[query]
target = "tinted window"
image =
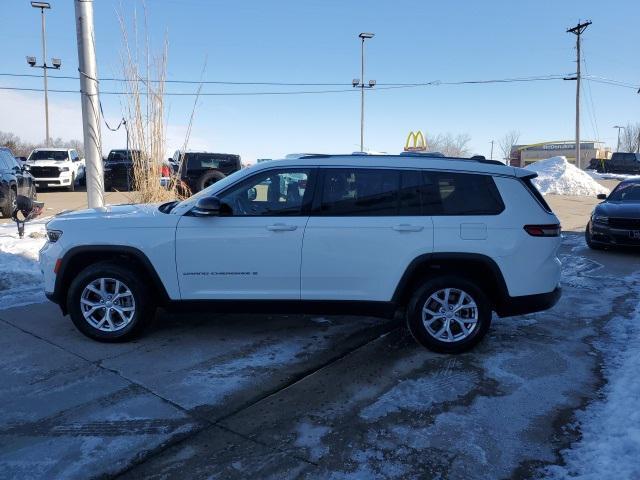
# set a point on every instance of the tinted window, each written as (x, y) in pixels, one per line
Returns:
(272, 193)
(462, 194)
(198, 161)
(359, 192)
(626, 192)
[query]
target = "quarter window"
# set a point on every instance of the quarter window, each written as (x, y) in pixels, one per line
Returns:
(462, 194)
(271, 193)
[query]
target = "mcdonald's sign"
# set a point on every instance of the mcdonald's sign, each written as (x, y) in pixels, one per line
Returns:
(415, 142)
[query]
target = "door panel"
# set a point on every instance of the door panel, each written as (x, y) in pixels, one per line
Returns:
(253, 251)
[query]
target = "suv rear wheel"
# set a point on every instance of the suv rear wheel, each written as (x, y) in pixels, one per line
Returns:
(109, 303)
(207, 179)
(449, 314)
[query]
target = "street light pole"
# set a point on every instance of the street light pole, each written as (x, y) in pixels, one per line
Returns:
(55, 61)
(360, 83)
(619, 128)
(577, 31)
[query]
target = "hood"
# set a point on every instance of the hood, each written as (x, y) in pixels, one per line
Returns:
(130, 210)
(619, 209)
(48, 163)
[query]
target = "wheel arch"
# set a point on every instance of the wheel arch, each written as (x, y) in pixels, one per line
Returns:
(478, 268)
(77, 258)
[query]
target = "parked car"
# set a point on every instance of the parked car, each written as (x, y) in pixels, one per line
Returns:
(119, 171)
(14, 181)
(620, 162)
(446, 241)
(616, 221)
(56, 167)
(199, 170)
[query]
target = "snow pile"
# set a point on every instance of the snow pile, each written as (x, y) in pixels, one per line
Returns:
(20, 277)
(556, 175)
(610, 444)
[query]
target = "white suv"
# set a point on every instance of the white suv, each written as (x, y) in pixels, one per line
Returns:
(447, 241)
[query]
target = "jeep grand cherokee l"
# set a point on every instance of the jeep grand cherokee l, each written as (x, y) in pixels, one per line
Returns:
(446, 241)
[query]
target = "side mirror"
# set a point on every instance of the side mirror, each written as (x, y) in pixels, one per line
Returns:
(602, 196)
(207, 207)
(252, 193)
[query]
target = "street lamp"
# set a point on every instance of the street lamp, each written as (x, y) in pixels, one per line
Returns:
(360, 83)
(55, 62)
(619, 128)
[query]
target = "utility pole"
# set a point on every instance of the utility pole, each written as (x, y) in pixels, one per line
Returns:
(360, 83)
(577, 31)
(90, 102)
(619, 128)
(56, 62)
(491, 149)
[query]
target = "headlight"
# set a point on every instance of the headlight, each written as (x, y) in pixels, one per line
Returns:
(64, 169)
(53, 235)
(601, 219)
(26, 166)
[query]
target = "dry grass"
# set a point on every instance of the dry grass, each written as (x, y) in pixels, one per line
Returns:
(145, 112)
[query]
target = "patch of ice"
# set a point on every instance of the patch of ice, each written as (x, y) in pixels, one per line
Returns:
(20, 277)
(309, 436)
(557, 176)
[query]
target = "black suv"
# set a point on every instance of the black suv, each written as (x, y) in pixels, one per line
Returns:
(201, 169)
(118, 170)
(14, 181)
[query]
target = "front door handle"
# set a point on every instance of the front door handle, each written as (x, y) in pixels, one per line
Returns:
(281, 227)
(404, 227)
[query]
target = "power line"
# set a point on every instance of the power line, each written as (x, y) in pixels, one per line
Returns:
(311, 92)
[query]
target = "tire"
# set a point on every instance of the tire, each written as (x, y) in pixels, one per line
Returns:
(137, 309)
(10, 204)
(72, 186)
(207, 179)
(433, 336)
(590, 243)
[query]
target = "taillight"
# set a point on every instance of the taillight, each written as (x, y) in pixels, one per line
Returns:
(165, 171)
(543, 230)
(56, 267)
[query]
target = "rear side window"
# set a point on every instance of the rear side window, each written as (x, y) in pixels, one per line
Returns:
(359, 192)
(536, 193)
(198, 161)
(453, 193)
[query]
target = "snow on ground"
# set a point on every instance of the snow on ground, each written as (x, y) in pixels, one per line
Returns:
(20, 277)
(556, 175)
(609, 176)
(610, 427)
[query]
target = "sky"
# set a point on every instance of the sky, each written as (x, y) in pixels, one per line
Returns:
(317, 42)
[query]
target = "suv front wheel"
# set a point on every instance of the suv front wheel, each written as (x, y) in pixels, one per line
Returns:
(449, 314)
(109, 303)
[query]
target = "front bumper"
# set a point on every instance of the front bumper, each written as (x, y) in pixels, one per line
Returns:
(524, 304)
(605, 235)
(61, 181)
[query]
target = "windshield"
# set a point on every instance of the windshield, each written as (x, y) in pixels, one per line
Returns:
(626, 192)
(120, 155)
(49, 155)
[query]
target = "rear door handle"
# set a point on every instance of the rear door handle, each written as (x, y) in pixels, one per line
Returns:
(404, 227)
(281, 227)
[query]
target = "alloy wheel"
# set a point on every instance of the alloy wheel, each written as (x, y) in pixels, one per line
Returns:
(450, 315)
(107, 304)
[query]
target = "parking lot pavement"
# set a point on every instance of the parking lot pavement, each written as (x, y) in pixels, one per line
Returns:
(230, 396)
(56, 201)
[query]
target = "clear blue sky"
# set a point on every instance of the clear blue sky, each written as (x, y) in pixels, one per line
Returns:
(316, 41)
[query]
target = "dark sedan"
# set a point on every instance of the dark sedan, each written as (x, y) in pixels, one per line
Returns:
(14, 181)
(616, 221)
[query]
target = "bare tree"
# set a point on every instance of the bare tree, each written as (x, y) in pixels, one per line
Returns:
(22, 148)
(450, 145)
(507, 142)
(630, 138)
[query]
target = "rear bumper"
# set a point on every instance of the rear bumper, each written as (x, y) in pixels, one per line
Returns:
(529, 303)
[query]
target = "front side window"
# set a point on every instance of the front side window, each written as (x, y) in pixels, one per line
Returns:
(271, 193)
(359, 192)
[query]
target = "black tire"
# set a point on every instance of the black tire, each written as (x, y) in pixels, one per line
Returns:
(10, 204)
(421, 334)
(207, 179)
(72, 186)
(144, 309)
(590, 243)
